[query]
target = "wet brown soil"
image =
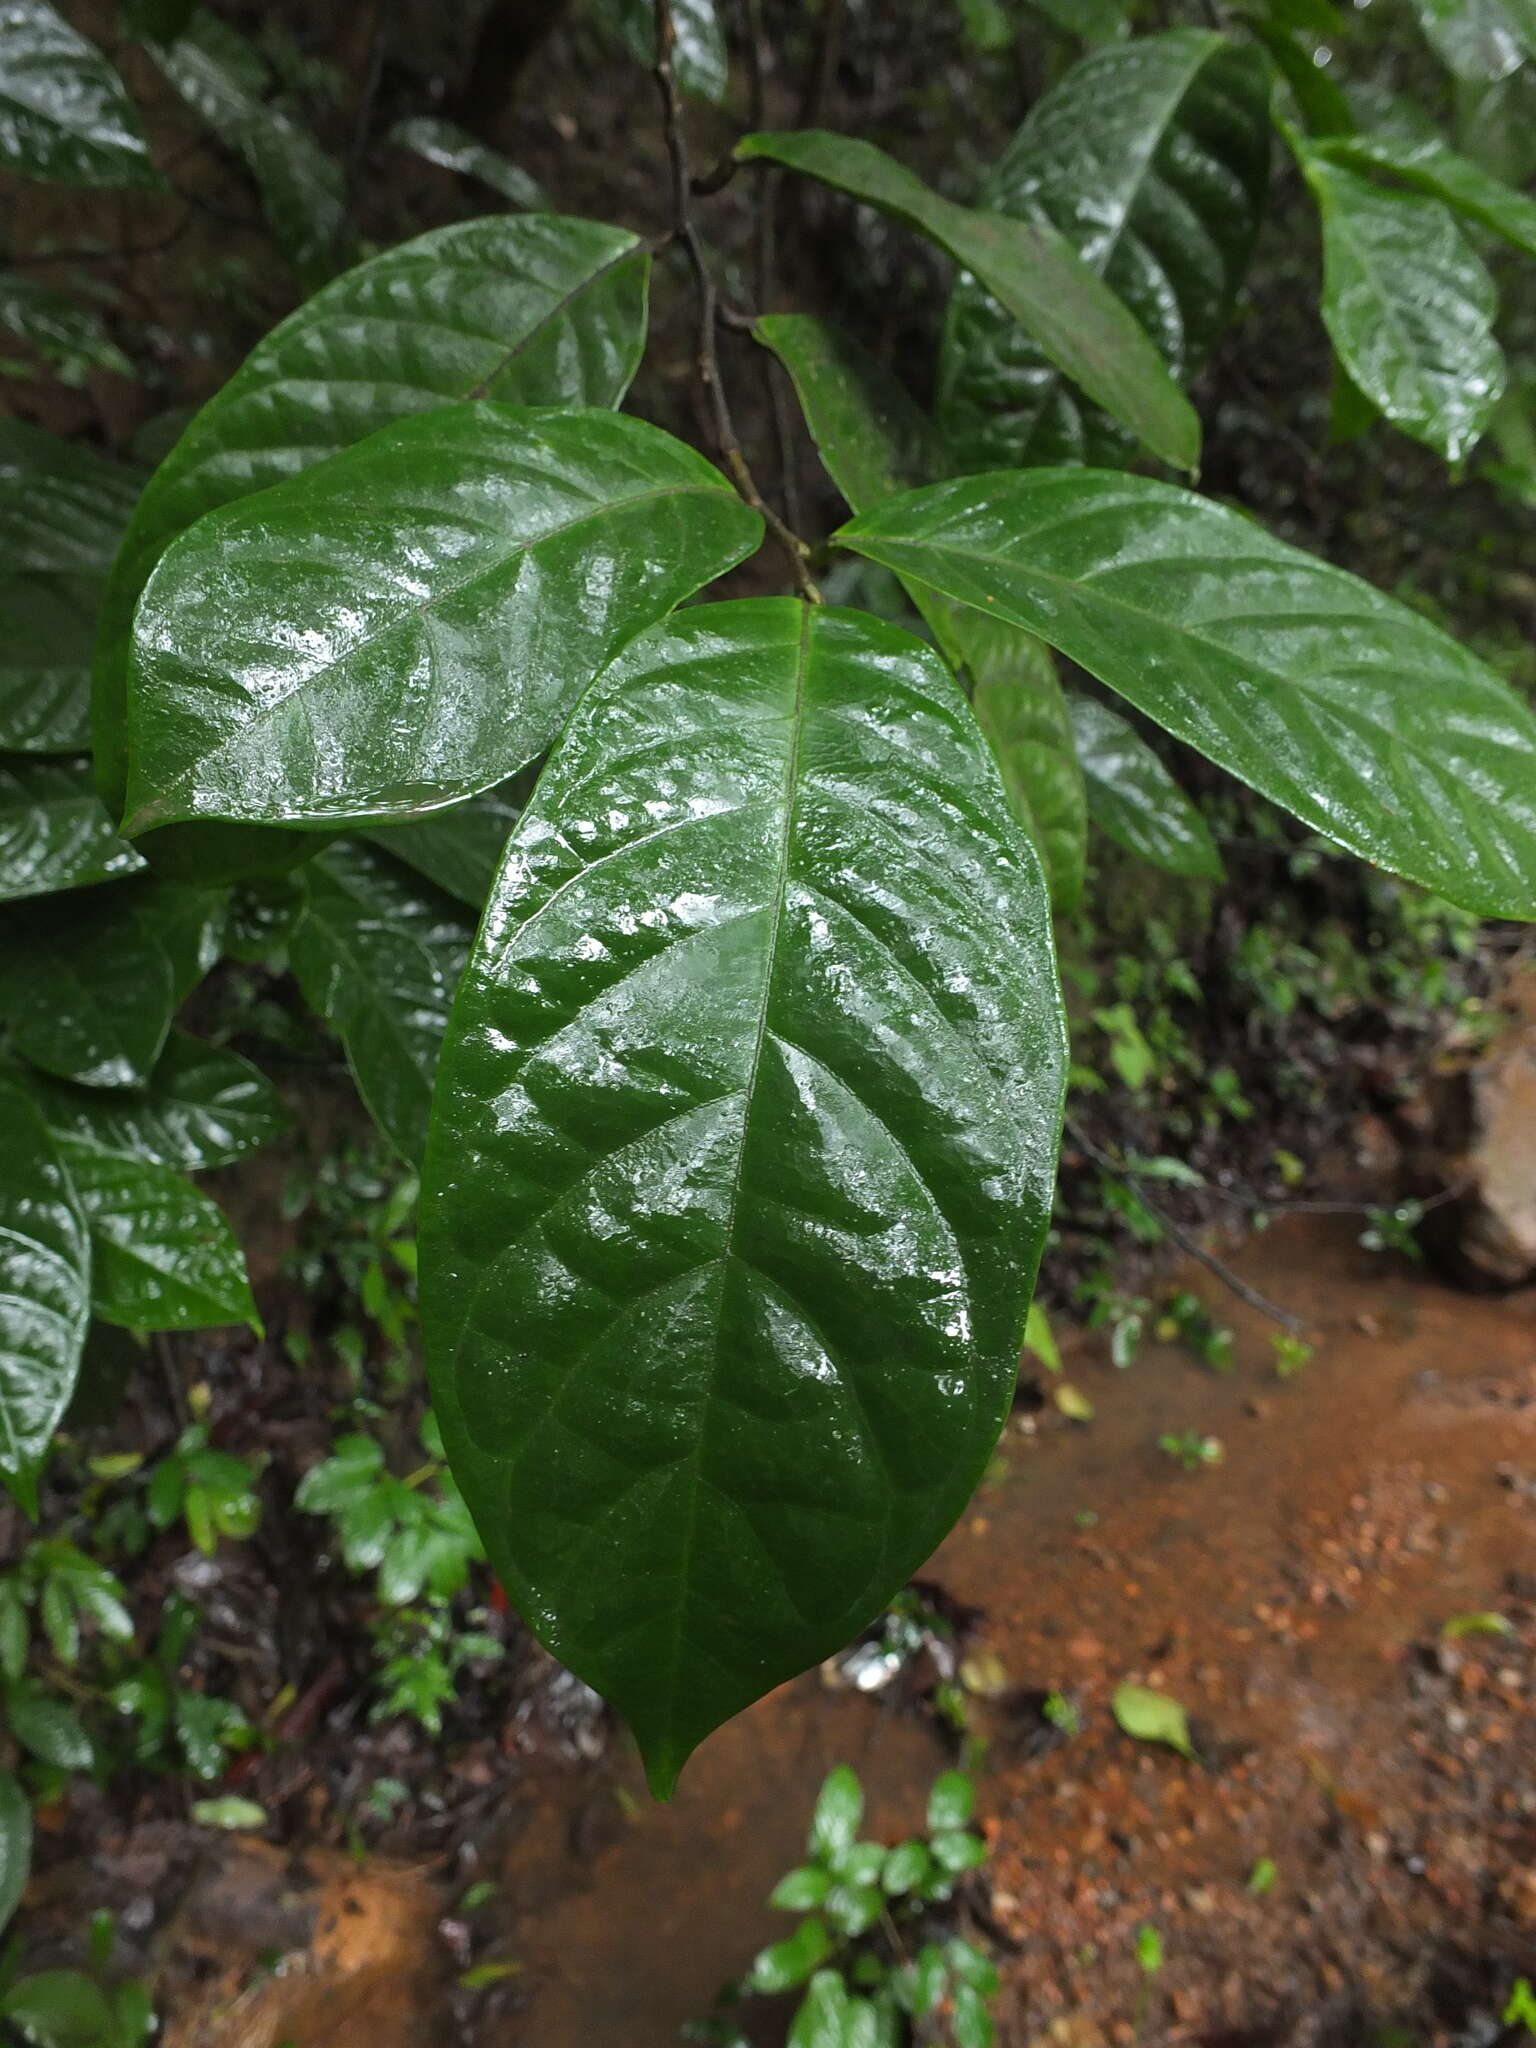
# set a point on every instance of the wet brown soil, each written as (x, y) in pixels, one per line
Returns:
(1291, 1597)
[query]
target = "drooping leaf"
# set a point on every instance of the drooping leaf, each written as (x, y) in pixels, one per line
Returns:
(460, 850)
(1034, 273)
(699, 58)
(875, 441)
(409, 624)
(1325, 695)
(1319, 100)
(1152, 158)
(869, 431)
(163, 1257)
(223, 81)
(61, 507)
(65, 334)
(64, 115)
(47, 624)
(454, 149)
(741, 1157)
(54, 829)
(532, 311)
(1133, 799)
(202, 1106)
(1430, 165)
(15, 1846)
(59, 2008)
(1479, 39)
(1409, 306)
(45, 1280)
(1020, 706)
(91, 982)
(378, 955)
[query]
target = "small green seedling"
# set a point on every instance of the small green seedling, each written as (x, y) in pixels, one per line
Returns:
(1187, 1320)
(1063, 1713)
(213, 1490)
(415, 1532)
(1192, 1450)
(1149, 1949)
(1261, 1878)
(1291, 1353)
(871, 1948)
(1520, 2011)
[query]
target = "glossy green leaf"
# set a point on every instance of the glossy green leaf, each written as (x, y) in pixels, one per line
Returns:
(54, 830)
(1430, 165)
(869, 432)
(784, 1964)
(952, 1802)
(409, 624)
(48, 1726)
(91, 982)
(202, 1106)
(533, 311)
(1151, 158)
(741, 1157)
(1409, 306)
(459, 849)
(1034, 273)
(64, 115)
(453, 148)
(1479, 39)
(67, 335)
(1133, 799)
(163, 1257)
(15, 1846)
(1020, 706)
(838, 1811)
(875, 441)
(60, 2009)
(699, 59)
(61, 507)
(1318, 98)
(797, 1891)
(1093, 21)
(223, 81)
(1325, 695)
(47, 624)
(378, 955)
(45, 1279)
(822, 2018)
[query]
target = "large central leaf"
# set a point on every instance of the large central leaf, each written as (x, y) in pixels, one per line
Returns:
(408, 625)
(532, 311)
(1152, 159)
(742, 1157)
(1354, 712)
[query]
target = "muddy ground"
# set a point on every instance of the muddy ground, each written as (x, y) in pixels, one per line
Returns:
(1292, 1597)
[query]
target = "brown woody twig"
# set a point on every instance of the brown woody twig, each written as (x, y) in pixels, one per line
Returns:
(685, 231)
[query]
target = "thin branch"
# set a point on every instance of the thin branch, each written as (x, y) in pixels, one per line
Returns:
(1185, 1241)
(684, 231)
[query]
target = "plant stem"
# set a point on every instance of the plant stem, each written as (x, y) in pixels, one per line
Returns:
(684, 231)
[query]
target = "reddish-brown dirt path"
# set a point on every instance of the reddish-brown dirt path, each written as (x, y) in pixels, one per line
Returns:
(1292, 1597)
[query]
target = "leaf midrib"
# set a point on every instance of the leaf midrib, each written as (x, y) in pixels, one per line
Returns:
(689, 1545)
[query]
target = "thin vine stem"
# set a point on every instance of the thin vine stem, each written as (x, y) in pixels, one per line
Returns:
(685, 231)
